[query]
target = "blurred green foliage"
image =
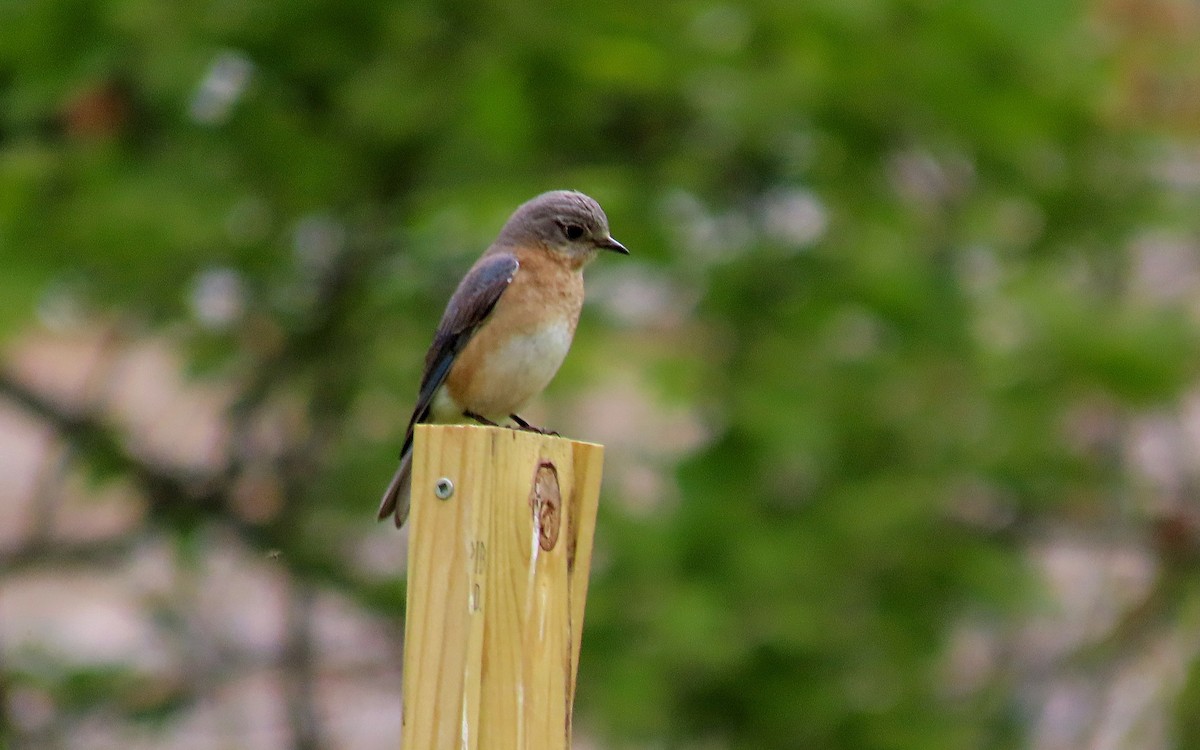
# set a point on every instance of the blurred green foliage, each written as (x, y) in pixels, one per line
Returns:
(906, 226)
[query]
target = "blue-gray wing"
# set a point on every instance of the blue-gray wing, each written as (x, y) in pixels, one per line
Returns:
(469, 307)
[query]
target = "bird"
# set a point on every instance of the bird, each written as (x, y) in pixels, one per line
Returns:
(508, 325)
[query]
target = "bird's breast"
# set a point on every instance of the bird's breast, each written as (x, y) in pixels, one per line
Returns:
(498, 374)
(515, 354)
(534, 356)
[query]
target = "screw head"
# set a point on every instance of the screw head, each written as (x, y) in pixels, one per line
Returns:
(443, 488)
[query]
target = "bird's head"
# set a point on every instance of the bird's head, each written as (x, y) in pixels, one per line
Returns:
(564, 222)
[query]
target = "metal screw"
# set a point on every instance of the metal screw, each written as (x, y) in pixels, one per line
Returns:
(444, 488)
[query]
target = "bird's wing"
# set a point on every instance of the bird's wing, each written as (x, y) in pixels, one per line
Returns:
(469, 307)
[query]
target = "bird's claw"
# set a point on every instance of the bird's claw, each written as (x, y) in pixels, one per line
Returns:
(480, 419)
(526, 427)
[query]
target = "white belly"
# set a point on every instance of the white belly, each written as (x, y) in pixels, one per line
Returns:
(508, 375)
(524, 365)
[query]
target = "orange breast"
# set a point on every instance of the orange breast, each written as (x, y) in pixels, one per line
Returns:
(516, 353)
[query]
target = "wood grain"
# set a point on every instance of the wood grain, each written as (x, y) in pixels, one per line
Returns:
(494, 621)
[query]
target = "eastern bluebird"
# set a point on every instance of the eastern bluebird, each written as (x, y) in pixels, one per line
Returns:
(509, 324)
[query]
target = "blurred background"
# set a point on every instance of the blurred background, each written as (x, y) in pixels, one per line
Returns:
(899, 386)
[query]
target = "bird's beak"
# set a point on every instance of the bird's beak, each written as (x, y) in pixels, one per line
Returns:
(608, 243)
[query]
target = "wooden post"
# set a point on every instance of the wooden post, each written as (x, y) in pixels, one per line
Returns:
(498, 560)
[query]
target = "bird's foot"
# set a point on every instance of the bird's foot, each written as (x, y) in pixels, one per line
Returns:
(480, 419)
(523, 425)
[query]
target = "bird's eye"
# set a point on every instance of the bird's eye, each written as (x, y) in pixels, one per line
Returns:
(573, 231)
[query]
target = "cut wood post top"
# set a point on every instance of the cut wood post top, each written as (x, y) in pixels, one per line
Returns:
(500, 548)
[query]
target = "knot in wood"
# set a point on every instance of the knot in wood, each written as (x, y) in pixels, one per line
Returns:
(545, 500)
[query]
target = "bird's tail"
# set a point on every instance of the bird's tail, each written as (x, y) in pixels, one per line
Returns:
(395, 498)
